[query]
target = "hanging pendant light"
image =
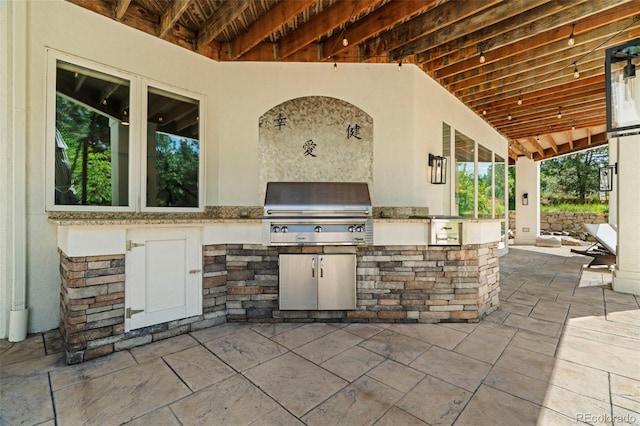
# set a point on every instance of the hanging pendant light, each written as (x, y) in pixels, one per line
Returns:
(572, 38)
(576, 73)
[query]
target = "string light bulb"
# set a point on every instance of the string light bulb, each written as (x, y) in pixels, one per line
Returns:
(335, 66)
(559, 112)
(400, 66)
(509, 117)
(482, 58)
(520, 98)
(345, 41)
(572, 38)
(576, 73)
(484, 111)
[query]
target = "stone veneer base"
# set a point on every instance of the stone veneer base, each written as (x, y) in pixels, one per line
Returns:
(416, 284)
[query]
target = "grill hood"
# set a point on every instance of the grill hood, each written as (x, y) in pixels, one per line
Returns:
(296, 199)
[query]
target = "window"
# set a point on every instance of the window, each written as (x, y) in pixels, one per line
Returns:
(465, 174)
(91, 137)
(480, 178)
(485, 182)
(446, 152)
(500, 194)
(173, 150)
(102, 157)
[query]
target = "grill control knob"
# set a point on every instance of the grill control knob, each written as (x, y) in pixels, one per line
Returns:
(318, 229)
(350, 229)
(284, 229)
(276, 229)
(359, 228)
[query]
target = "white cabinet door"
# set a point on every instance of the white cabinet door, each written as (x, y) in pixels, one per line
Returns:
(163, 278)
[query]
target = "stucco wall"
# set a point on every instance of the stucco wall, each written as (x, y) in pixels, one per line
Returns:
(407, 108)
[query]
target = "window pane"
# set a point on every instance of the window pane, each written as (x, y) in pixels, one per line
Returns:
(465, 177)
(485, 184)
(500, 186)
(173, 150)
(446, 151)
(92, 137)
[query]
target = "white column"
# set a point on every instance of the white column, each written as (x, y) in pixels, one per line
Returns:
(13, 295)
(626, 276)
(613, 195)
(527, 201)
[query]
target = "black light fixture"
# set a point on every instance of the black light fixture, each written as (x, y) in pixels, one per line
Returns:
(606, 177)
(438, 166)
(623, 116)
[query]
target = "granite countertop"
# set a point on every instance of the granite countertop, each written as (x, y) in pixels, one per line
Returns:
(223, 214)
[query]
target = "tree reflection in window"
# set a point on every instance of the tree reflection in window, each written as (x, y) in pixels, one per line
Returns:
(173, 150)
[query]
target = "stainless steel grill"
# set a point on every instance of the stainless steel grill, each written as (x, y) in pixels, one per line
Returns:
(317, 213)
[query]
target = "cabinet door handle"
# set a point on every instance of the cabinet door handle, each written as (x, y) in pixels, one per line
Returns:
(321, 267)
(313, 266)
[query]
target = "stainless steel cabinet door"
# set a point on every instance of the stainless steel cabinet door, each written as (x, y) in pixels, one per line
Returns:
(298, 281)
(336, 281)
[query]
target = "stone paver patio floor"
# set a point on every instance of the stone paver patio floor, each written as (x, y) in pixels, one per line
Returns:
(563, 348)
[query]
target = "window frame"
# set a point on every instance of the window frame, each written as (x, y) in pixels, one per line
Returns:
(146, 83)
(137, 167)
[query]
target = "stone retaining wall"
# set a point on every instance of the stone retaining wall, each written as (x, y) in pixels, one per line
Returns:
(570, 223)
(240, 283)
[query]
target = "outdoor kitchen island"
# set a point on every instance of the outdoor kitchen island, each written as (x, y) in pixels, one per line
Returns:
(399, 278)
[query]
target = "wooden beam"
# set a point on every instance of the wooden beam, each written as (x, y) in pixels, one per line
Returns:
(536, 145)
(536, 20)
(448, 13)
(540, 40)
(120, 9)
(466, 26)
(327, 20)
(171, 15)
(221, 18)
(268, 23)
(552, 143)
(375, 23)
(570, 140)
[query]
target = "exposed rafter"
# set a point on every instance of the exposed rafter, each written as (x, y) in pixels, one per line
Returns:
(527, 72)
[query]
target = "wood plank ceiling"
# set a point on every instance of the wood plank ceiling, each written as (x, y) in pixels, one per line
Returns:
(526, 85)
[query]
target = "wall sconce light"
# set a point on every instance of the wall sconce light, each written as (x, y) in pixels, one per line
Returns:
(438, 169)
(606, 177)
(525, 199)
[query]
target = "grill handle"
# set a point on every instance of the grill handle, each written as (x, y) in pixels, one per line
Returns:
(319, 212)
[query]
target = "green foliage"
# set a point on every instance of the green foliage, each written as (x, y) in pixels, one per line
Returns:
(99, 180)
(572, 178)
(570, 207)
(511, 183)
(177, 169)
(465, 190)
(87, 136)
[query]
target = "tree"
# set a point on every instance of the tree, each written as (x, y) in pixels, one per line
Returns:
(573, 177)
(177, 170)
